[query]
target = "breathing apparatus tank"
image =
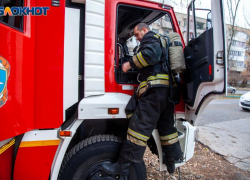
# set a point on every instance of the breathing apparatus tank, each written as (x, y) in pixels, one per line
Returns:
(172, 44)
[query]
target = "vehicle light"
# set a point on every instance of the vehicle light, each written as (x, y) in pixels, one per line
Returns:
(113, 110)
(65, 133)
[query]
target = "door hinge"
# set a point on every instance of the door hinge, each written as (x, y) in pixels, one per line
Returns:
(55, 3)
(80, 77)
(219, 57)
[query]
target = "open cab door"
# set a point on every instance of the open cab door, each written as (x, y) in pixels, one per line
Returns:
(205, 56)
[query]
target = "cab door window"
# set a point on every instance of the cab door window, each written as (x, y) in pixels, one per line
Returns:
(199, 18)
(126, 44)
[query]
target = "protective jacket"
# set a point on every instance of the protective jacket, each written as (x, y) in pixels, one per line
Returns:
(148, 58)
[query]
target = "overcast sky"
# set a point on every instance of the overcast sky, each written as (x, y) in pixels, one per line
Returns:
(243, 10)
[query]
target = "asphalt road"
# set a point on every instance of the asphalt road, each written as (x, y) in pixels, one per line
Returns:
(239, 92)
(225, 128)
(220, 110)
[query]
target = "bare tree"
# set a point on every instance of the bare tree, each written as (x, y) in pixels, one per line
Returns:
(245, 77)
(233, 78)
(232, 18)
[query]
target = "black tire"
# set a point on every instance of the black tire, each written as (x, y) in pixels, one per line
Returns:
(233, 91)
(85, 158)
(245, 109)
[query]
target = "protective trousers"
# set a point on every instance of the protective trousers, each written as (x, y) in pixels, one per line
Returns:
(153, 110)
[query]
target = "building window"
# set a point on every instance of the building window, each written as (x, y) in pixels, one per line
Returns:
(240, 64)
(199, 25)
(166, 33)
(156, 31)
(167, 18)
(185, 21)
(13, 21)
(191, 35)
(179, 22)
(245, 57)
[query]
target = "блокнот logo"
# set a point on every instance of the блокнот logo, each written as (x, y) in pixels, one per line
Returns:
(23, 11)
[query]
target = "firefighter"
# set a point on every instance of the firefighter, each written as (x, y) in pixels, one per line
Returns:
(153, 109)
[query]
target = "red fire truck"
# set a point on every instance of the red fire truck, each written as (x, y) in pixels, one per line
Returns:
(63, 93)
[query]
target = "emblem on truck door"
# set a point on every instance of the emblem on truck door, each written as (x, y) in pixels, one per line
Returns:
(4, 75)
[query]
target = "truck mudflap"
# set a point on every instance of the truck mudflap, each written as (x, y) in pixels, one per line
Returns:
(187, 136)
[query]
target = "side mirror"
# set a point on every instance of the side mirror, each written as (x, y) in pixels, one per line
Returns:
(209, 20)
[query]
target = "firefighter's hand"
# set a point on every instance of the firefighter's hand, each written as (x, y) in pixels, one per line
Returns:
(126, 66)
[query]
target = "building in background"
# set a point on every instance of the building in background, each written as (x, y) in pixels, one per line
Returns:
(239, 54)
(239, 50)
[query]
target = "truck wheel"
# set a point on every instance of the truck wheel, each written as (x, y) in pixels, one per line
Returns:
(83, 161)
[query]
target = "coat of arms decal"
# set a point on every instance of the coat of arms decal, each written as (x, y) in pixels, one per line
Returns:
(4, 75)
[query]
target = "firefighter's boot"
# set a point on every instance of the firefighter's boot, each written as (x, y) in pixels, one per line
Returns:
(120, 167)
(173, 154)
(170, 166)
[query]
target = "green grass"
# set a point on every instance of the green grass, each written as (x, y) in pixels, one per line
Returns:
(242, 89)
(230, 96)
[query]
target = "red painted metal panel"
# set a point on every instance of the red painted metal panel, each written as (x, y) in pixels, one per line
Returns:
(35, 85)
(18, 49)
(49, 43)
(34, 162)
(6, 159)
(110, 31)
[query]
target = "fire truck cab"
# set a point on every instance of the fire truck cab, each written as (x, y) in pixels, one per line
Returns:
(63, 92)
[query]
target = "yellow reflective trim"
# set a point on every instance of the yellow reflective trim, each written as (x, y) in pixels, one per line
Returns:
(7, 146)
(171, 141)
(130, 115)
(137, 55)
(164, 75)
(142, 84)
(158, 76)
(39, 143)
(168, 137)
(159, 82)
(136, 141)
(136, 61)
(137, 135)
(157, 35)
(142, 90)
(151, 78)
(143, 59)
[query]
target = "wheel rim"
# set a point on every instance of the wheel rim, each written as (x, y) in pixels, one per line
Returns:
(94, 172)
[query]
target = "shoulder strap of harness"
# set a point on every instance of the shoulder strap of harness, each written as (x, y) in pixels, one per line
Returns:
(166, 64)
